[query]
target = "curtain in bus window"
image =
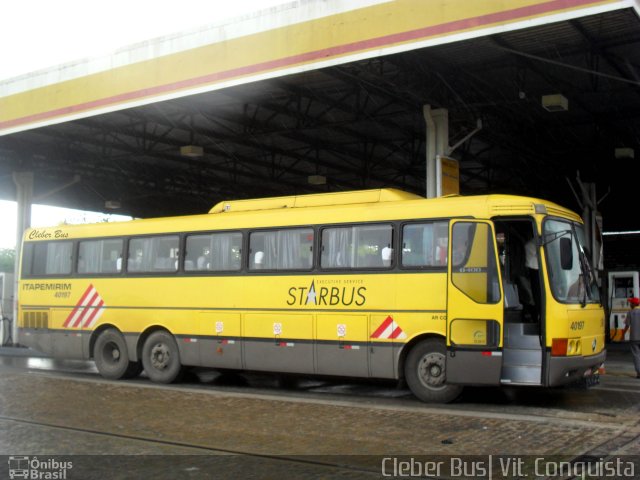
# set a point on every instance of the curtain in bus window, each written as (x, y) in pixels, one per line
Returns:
(100, 256)
(288, 248)
(270, 250)
(222, 248)
(89, 256)
(283, 249)
(58, 258)
(337, 246)
(153, 254)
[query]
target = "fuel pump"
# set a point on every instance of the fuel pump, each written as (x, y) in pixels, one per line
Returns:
(622, 286)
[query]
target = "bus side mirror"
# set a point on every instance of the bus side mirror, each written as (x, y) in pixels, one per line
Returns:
(566, 254)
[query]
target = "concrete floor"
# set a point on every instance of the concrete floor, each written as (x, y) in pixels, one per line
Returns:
(212, 428)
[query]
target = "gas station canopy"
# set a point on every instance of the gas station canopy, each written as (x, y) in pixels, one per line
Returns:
(328, 96)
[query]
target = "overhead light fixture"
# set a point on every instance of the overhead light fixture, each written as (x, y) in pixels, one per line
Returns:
(555, 103)
(624, 153)
(317, 180)
(192, 151)
(112, 204)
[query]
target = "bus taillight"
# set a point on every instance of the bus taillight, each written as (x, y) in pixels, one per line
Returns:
(561, 347)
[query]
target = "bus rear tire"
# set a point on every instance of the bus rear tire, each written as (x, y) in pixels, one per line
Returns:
(111, 355)
(161, 358)
(425, 372)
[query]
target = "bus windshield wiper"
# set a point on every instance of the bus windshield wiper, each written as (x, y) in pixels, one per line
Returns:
(554, 236)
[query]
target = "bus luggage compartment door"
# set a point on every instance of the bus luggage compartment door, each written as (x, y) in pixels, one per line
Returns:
(474, 305)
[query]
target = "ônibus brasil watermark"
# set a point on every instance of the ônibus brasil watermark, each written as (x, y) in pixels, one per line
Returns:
(33, 468)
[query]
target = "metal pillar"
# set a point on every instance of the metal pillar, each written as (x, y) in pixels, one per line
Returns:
(437, 125)
(24, 197)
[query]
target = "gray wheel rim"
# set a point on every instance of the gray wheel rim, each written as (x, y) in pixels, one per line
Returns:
(431, 371)
(160, 356)
(111, 353)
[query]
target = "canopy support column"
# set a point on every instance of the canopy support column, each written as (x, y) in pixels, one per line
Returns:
(24, 198)
(437, 125)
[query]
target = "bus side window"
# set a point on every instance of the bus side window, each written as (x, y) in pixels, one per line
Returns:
(153, 254)
(425, 244)
(285, 249)
(48, 258)
(100, 256)
(360, 246)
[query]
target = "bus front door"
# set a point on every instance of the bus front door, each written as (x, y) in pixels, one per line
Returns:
(474, 305)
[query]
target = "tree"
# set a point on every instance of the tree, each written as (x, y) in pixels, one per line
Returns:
(7, 259)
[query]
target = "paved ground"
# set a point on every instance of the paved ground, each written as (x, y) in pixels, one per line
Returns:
(317, 431)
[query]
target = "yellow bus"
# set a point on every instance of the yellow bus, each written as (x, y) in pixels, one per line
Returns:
(447, 292)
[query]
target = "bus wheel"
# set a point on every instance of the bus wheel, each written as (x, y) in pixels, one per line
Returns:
(160, 357)
(111, 355)
(425, 372)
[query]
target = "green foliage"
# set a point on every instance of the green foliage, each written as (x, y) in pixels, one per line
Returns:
(7, 259)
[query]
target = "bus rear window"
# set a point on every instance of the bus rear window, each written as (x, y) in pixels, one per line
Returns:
(47, 258)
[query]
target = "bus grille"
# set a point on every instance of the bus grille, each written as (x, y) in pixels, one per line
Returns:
(35, 320)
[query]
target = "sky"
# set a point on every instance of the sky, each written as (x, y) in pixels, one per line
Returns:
(37, 34)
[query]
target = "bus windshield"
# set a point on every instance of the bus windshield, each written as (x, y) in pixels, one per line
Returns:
(574, 282)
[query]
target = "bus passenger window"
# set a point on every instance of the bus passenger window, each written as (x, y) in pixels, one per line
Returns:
(362, 246)
(48, 258)
(425, 244)
(216, 252)
(153, 254)
(100, 256)
(286, 249)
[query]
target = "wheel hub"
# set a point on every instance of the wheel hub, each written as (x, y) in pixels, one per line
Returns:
(111, 353)
(160, 356)
(431, 370)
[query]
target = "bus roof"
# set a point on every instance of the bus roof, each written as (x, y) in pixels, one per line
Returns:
(315, 200)
(328, 208)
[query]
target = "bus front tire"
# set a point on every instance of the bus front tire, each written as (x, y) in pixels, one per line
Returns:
(161, 358)
(111, 355)
(425, 372)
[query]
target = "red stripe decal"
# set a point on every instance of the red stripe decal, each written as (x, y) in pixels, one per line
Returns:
(382, 327)
(85, 310)
(73, 312)
(396, 332)
(325, 53)
(486, 354)
(95, 311)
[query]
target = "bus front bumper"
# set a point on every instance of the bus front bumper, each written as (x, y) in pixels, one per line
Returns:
(564, 370)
